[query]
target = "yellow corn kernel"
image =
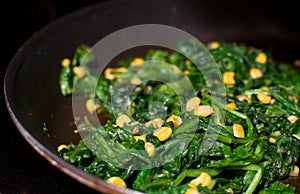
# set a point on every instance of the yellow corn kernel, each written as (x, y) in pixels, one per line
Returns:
(137, 62)
(294, 98)
(192, 191)
(156, 123)
(238, 131)
(136, 81)
(256, 73)
(79, 71)
(263, 98)
(140, 137)
(292, 119)
(214, 45)
(272, 140)
(187, 72)
(177, 121)
(228, 78)
(297, 63)
(116, 181)
(244, 97)
(133, 104)
(261, 58)
(120, 69)
(231, 105)
(108, 74)
(90, 105)
(266, 88)
(192, 103)
(163, 133)
(204, 179)
(295, 171)
(112, 73)
(188, 63)
(273, 100)
(276, 133)
(61, 147)
(149, 147)
(203, 110)
(122, 119)
(66, 62)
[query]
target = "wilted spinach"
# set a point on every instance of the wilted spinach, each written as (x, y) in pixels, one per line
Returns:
(256, 162)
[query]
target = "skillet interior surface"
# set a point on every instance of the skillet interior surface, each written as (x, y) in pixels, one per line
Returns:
(31, 84)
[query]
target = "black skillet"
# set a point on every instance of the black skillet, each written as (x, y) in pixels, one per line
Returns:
(31, 85)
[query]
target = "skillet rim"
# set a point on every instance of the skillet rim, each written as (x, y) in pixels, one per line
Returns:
(76, 173)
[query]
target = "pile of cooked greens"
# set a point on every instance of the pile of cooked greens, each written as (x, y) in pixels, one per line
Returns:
(255, 148)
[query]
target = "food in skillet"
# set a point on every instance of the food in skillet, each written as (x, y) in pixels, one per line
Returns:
(255, 147)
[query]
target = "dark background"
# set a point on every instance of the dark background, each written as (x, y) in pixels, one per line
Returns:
(22, 170)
